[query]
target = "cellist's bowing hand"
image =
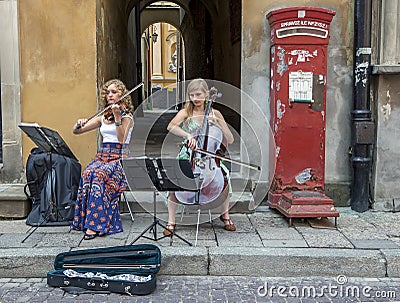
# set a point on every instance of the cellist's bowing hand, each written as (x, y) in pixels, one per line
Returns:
(191, 142)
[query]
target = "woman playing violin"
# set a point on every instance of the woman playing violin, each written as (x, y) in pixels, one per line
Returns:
(103, 180)
(184, 124)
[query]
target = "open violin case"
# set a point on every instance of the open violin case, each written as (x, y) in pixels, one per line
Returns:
(129, 269)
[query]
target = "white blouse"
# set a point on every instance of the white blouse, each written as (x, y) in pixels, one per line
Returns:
(109, 131)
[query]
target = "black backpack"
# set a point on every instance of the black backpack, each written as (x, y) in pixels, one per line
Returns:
(52, 181)
(35, 173)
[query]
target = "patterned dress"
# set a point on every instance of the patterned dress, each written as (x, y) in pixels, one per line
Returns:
(101, 184)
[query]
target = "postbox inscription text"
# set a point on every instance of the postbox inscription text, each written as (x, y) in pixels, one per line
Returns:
(303, 23)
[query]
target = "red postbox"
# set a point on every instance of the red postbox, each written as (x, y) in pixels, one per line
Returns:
(299, 52)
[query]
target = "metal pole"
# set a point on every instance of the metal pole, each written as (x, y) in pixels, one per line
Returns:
(138, 53)
(362, 125)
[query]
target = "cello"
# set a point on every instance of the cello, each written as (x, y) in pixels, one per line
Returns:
(213, 186)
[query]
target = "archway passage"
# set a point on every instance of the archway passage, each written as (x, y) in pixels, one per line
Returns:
(163, 65)
(211, 35)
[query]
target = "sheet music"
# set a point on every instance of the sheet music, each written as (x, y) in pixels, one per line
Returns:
(46, 139)
(165, 174)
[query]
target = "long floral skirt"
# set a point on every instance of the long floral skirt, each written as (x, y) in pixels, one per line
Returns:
(100, 186)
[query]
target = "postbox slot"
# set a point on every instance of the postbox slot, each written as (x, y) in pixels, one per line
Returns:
(301, 31)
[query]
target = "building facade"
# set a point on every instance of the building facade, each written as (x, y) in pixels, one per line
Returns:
(56, 54)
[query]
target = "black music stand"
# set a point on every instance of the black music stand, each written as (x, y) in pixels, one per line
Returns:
(150, 174)
(49, 141)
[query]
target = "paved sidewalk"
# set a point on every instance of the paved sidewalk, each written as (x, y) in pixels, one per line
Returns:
(211, 289)
(363, 245)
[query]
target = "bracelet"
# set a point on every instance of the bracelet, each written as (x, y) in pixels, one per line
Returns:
(118, 123)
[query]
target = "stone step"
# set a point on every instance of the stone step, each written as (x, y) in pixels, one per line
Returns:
(241, 202)
(220, 261)
(13, 202)
(15, 205)
(263, 245)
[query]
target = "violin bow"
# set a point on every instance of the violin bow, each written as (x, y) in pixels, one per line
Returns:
(109, 106)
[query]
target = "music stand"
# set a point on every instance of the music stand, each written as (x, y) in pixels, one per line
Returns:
(47, 139)
(50, 141)
(151, 174)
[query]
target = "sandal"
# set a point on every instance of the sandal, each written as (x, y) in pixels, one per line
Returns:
(73, 228)
(92, 236)
(228, 224)
(170, 229)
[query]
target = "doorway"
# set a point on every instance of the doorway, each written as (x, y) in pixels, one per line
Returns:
(163, 65)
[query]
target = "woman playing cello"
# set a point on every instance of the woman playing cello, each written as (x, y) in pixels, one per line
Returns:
(184, 124)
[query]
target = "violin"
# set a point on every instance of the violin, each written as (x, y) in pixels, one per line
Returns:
(109, 115)
(107, 111)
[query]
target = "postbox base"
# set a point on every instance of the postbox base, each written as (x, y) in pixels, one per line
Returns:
(304, 204)
(273, 199)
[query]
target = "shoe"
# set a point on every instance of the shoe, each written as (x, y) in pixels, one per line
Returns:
(92, 236)
(170, 229)
(228, 224)
(73, 228)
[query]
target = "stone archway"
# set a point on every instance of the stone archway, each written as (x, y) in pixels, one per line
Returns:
(211, 31)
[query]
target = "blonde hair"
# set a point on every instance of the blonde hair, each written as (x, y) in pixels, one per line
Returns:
(122, 89)
(196, 84)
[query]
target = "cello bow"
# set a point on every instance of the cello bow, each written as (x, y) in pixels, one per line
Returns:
(249, 165)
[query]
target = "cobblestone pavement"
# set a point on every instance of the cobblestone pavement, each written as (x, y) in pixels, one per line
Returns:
(219, 289)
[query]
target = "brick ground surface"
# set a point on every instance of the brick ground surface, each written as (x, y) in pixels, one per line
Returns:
(219, 289)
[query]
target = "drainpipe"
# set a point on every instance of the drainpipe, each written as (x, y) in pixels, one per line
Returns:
(138, 54)
(362, 125)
